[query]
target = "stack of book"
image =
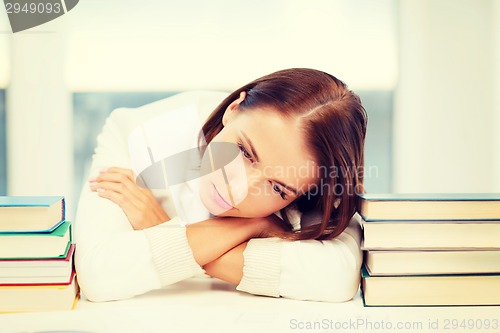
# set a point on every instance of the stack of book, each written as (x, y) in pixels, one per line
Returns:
(36, 255)
(431, 249)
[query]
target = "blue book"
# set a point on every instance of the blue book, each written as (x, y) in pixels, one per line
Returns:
(31, 213)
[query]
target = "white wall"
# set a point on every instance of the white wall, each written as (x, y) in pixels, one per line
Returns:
(4, 49)
(40, 154)
(444, 127)
(496, 87)
(223, 44)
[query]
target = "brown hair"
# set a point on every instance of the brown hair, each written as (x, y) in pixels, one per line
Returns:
(334, 122)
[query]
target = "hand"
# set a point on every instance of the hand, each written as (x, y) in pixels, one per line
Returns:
(139, 204)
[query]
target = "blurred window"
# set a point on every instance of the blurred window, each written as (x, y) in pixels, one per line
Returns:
(92, 108)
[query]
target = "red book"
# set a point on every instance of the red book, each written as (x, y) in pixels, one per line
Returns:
(37, 271)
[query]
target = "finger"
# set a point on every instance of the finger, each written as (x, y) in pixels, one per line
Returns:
(128, 190)
(115, 177)
(115, 197)
(109, 186)
(118, 193)
(119, 174)
(122, 176)
(121, 184)
(127, 172)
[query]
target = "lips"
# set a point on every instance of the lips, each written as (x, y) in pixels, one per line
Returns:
(219, 200)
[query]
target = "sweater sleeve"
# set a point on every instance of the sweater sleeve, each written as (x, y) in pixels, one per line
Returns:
(304, 270)
(112, 260)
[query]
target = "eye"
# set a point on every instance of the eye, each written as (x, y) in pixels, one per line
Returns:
(245, 152)
(279, 191)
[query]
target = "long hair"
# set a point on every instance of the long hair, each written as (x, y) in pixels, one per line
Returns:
(334, 123)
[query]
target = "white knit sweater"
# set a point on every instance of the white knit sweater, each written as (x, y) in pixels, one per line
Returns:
(113, 261)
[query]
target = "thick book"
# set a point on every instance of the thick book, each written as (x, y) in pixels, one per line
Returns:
(27, 298)
(37, 271)
(430, 206)
(430, 234)
(426, 262)
(36, 245)
(31, 214)
(430, 290)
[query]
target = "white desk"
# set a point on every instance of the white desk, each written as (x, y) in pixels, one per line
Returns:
(204, 304)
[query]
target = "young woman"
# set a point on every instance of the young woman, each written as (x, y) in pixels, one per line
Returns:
(272, 210)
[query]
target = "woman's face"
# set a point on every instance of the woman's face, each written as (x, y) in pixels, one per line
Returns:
(268, 165)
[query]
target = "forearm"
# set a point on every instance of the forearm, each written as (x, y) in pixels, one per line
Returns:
(211, 239)
(302, 270)
(229, 266)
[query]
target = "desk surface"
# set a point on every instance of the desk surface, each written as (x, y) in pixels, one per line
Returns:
(204, 304)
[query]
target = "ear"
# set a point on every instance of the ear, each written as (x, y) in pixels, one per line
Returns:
(231, 109)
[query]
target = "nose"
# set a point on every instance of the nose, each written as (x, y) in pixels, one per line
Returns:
(241, 178)
(238, 175)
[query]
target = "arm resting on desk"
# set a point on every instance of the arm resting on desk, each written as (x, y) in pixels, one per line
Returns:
(304, 270)
(129, 263)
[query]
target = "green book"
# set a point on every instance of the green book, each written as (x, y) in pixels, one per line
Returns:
(62, 256)
(36, 245)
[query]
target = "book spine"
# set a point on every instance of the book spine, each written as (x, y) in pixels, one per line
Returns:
(63, 209)
(40, 285)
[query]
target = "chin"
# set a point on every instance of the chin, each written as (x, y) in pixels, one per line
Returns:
(228, 214)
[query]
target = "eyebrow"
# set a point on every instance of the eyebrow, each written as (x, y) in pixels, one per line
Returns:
(256, 156)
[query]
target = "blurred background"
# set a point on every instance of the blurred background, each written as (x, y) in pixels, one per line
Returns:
(428, 72)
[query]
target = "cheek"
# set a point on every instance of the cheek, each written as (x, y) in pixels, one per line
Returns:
(203, 184)
(258, 205)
